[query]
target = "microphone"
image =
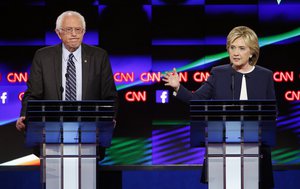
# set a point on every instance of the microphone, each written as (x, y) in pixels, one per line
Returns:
(61, 91)
(61, 88)
(232, 85)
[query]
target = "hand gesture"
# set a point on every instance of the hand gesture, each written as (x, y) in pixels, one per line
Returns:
(172, 79)
(20, 123)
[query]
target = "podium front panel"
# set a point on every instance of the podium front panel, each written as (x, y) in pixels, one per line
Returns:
(233, 172)
(70, 173)
(215, 131)
(89, 132)
(52, 132)
(88, 149)
(70, 133)
(232, 132)
(251, 131)
(53, 168)
(215, 172)
(251, 166)
(88, 173)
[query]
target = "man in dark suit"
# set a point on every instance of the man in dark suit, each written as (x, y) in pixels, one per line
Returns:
(49, 71)
(242, 79)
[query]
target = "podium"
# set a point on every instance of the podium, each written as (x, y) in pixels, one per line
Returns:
(233, 133)
(69, 134)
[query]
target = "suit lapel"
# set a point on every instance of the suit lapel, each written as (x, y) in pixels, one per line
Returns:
(85, 71)
(58, 71)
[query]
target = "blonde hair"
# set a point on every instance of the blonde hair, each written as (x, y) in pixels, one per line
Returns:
(250, 39)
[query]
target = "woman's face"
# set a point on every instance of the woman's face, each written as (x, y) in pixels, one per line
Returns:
(239, 54)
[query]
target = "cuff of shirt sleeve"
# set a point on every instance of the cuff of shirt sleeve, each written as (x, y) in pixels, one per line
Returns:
(175, 93)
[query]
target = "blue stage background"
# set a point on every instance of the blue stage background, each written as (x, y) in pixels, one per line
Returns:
(145, 38)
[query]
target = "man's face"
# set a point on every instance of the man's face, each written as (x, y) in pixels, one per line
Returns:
(71, 33)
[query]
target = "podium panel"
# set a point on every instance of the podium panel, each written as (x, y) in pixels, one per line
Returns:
(69, 134)
(232, 132)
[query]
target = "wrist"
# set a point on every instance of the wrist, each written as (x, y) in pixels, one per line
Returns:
(176, 89)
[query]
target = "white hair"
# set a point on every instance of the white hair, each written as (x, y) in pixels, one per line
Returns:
(68, 13)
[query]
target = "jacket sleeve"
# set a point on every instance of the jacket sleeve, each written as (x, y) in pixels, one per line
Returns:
(34, 89)
(271, 90)
(108, 88)
(205, 92)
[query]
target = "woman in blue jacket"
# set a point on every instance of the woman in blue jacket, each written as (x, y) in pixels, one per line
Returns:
(242, 79)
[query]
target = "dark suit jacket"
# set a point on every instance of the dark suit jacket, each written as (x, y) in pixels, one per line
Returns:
(45, 80)
(224, 83)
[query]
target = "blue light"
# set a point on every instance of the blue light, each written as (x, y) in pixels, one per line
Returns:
(90, 37)
(101, 8)
(208, 40)
(187, 2)
(33, 42)
(231, 9)
(10, 110)
(171, 42)
(131, 64)
(275, 13)
(148, 10)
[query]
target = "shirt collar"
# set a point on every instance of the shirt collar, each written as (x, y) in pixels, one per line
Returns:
(75, 53)
(249, 73)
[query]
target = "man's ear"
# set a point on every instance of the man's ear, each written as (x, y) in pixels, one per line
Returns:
(58, 33)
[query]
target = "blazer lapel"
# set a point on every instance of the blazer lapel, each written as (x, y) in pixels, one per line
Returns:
(85, 71)
(58, 71)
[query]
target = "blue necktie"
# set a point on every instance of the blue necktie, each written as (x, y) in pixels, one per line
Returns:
(71, 79)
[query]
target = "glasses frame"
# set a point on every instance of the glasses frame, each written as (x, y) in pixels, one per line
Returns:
(70, 30)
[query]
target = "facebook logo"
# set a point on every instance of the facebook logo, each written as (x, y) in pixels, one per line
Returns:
(162, 96)
(3, 97)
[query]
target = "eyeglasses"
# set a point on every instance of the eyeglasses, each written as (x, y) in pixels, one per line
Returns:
(70, 30)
